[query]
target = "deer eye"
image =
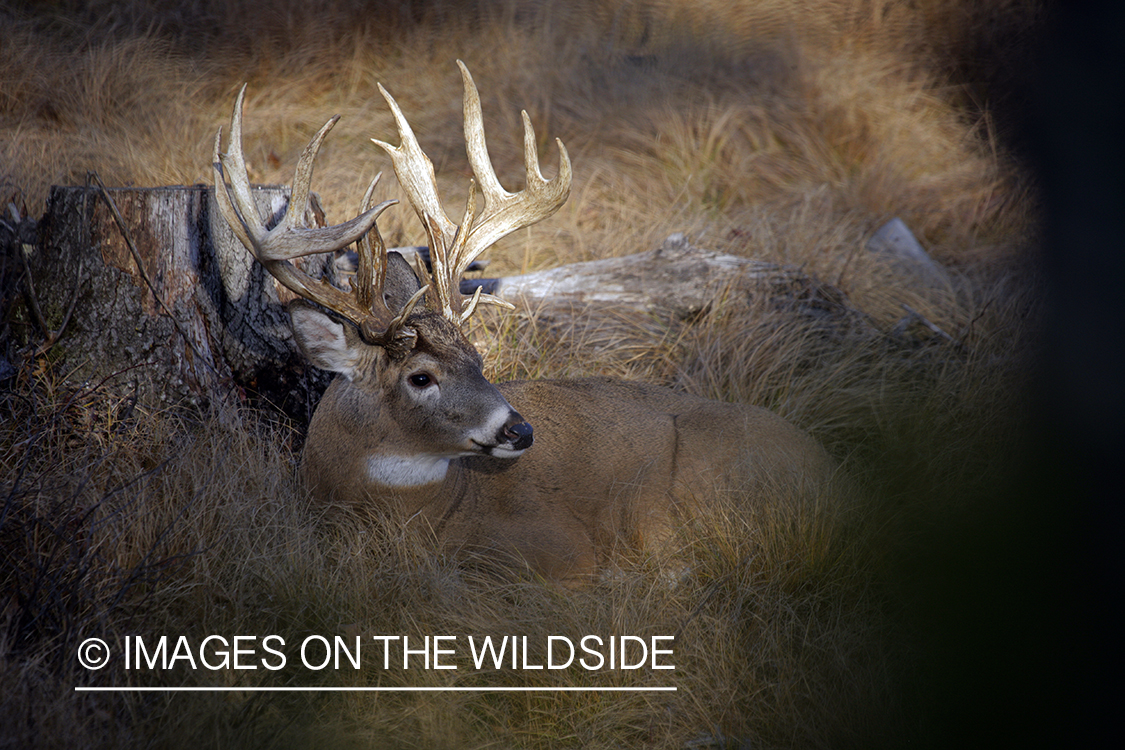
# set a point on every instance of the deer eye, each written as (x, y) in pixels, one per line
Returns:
(420, 379)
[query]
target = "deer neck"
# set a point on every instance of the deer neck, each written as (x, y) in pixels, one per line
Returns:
(421, 485)
(406, 473)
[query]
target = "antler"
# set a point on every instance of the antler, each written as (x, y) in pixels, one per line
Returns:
(274, 248)
(453, 248)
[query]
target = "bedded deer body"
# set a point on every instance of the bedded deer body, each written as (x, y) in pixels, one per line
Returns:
(558, 473)
(610, 464)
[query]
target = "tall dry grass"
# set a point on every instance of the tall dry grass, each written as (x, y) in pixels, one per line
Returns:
(785, 130)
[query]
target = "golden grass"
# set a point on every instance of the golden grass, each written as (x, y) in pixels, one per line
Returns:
(786, 130)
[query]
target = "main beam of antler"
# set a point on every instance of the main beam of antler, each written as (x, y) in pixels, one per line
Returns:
(453, 248)
(506, 212)
(290, 239)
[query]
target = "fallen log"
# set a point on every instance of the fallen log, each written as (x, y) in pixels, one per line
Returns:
(676, 280)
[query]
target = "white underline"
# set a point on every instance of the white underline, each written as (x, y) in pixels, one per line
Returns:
(372, 689)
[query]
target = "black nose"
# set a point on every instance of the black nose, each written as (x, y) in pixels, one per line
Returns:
(519, 435)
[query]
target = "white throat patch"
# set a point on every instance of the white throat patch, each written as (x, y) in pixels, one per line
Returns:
(406, 471)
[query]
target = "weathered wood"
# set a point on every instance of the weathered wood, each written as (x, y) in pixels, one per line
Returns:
(676, 280)
(620, 304)
(895, 242)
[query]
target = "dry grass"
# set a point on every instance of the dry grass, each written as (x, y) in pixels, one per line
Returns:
(771, 618)
(786, 130)
(685, 131)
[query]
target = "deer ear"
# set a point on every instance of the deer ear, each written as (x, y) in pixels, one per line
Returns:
(326, 342)
(401, 282)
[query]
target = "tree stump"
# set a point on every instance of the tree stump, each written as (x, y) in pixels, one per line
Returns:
(167, 300)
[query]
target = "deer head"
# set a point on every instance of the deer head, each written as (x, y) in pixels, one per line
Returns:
(407, 369)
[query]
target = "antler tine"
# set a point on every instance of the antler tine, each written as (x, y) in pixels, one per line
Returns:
(415, 171)
(506, 212)
(453, 248)
(371, 271)
(289, 239)
(274, 248)
(415, 174)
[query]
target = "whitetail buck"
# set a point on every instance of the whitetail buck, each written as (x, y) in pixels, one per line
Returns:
(411, 419)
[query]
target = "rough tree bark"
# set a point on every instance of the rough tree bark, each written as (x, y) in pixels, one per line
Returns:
(195, 320)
